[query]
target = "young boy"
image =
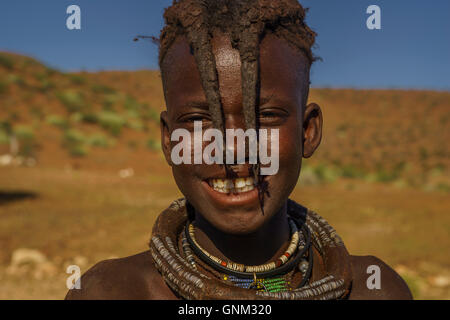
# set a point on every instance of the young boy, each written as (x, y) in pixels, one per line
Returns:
(235, 64)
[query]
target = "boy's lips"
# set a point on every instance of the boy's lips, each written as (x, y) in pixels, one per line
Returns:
(237, 185)
(231, 192)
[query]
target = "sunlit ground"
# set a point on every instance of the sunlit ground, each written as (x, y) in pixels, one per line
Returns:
(81, 217)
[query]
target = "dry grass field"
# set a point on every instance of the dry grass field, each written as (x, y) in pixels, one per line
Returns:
(82, 177)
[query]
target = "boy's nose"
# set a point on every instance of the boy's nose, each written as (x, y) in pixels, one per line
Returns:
(236, 122)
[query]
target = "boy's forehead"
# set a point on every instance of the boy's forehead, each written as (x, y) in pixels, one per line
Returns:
(284, 71)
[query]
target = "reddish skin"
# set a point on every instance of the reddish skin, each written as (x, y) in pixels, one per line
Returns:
(235, 232)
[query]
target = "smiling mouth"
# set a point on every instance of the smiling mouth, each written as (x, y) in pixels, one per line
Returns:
(238, 185)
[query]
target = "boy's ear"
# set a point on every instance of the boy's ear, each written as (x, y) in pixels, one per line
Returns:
(312, 129)
(165, 137)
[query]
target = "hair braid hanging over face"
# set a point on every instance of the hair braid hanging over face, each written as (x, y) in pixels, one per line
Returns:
(194, 22)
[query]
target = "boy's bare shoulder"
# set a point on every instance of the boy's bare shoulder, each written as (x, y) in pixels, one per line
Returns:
(133, 277)
(392, 286)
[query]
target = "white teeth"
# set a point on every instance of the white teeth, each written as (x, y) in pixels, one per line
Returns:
(239, 183)
(218, 183)
(228, 183)
(232, 185)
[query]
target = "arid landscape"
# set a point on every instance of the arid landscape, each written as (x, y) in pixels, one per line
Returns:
(82, 176)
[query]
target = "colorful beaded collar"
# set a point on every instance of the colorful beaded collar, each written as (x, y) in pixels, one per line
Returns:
(249, 270)
(188, 282)
(269, 277)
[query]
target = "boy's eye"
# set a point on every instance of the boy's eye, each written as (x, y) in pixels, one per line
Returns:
(272, 115)
(195, 117)
(267, 114)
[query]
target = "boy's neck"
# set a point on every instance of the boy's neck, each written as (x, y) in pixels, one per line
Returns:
(260, 247)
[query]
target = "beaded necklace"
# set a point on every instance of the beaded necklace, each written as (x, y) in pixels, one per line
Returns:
(251, 269)
(276, 284)
(196, 282)
(269, 278)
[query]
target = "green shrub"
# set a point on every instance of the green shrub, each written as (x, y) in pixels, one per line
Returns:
(423, 153)
(76, 143)
(110, 101)
(91, 118)
(111, 122)
(46, 85)
(343, 127)
(51, 71)
(437, 170)
(72, 100)
(57, 121)
(385, 176)
(413, 283)
(40, 76)
(76, 117)
(6, 126)
(73, 136)
(77, 79)
(25, 137)
(443, 187)
(15, 79)
(24, 132)
(153, 145)
(100, 140)
(326, 173)
(131, 104)
(351, 172)
(4, 137)
(135, 124)
(98, 88)
(3, 87)
(308, 176)
(36, 112)
(14, 116)
(151, 114)
(6, 61)
(79, 151)
(133, 114)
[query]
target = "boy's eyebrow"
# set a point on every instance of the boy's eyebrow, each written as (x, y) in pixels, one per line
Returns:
(264, 100)
(205, 106)
(198, 104)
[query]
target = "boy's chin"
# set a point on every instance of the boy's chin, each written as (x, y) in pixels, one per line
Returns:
(238, 223)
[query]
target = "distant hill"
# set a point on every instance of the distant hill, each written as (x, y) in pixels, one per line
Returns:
(112, 119)
(57, 117)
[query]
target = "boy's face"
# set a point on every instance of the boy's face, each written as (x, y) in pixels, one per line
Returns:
(284, 72)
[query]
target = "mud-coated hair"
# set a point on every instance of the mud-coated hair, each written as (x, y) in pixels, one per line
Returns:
(246, 21)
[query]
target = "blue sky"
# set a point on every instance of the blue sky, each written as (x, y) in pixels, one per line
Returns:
(412, 50)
